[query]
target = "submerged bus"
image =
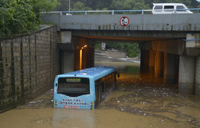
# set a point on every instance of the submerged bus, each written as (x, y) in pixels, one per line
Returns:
(84, 89)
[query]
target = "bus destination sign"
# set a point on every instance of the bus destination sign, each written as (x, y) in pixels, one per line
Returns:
(74, 80)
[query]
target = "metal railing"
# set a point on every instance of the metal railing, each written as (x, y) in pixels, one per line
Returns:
(112, 12)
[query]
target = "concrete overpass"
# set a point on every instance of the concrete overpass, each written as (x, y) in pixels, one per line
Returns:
(170, 44)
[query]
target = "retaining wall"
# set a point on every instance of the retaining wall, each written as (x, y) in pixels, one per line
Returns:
(28, 65)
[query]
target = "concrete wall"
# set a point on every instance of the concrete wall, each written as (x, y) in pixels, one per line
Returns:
(187, 75)
(146, 22)
(28, 65)
(171, 68)
(67, 61)
(197, 78)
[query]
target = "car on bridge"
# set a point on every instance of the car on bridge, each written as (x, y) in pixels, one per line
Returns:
(170, 8)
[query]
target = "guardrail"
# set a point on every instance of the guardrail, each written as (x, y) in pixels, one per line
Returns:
(197, 10)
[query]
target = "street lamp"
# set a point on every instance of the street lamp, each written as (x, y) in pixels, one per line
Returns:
(81, 56)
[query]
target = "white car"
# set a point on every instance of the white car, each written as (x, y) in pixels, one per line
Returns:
(170, 8)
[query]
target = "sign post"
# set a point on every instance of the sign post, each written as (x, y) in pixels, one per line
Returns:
(103, 46)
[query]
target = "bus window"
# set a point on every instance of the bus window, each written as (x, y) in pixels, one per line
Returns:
(73, 86)
(102, 84)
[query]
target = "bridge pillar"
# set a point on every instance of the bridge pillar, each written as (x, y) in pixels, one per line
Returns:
(144, 64)
(159, 64)
(170, 69)
(65, 36)
(197, 78)
(66, 51)
(151, 63)
(67, 61)
(187, 75)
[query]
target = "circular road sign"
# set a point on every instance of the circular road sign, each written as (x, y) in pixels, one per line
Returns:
(124, 21)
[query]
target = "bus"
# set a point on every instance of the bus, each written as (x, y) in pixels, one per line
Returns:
(84, 89)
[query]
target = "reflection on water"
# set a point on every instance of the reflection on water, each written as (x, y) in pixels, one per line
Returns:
(126, 67)
(136, 103)
(73, 117)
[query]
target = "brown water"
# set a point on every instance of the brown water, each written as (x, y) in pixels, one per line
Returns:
(136, 103)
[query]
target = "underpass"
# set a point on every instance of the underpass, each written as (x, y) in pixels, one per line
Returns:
(137, 102)
(169, 52)
(169, 44)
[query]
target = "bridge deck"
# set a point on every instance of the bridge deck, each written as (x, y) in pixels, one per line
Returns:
(146, 22)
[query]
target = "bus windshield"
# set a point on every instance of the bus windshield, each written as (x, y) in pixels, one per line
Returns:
(73, 86)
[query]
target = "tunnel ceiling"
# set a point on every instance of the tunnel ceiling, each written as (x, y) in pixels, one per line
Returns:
(128, 36)
(118, 39)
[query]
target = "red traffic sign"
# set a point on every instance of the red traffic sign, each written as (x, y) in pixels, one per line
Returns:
(124, 21)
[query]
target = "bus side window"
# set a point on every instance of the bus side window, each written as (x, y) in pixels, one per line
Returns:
(102, 85)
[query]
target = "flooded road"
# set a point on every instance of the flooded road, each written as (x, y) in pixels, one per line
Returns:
(136, 103)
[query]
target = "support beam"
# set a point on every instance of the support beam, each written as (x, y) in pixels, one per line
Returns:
(144, 65)
(65, 36)
(197, 78)
(67, 61)
(159, 64)
(170, 69)
(187, 75)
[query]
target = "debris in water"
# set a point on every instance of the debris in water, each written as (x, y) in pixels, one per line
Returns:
(34, 102)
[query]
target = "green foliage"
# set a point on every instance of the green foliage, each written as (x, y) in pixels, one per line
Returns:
(98, 46)
(128, 5)
(80, 6)
(118, 4)
(131, 49)
(19, 16)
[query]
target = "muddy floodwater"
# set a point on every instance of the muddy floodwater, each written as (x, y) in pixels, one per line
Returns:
(136, 103)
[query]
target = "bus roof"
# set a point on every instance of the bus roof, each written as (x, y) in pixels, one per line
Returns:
(94, 72)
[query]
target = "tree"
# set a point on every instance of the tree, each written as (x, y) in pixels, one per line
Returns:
(42, 6)
(80, 6)
(122, 4)
(18, 16)
(129, 5)
(132, 49)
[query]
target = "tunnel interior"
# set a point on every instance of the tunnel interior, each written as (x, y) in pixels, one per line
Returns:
(159, 56)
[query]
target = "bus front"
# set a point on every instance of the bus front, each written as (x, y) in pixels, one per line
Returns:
(73, 92)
